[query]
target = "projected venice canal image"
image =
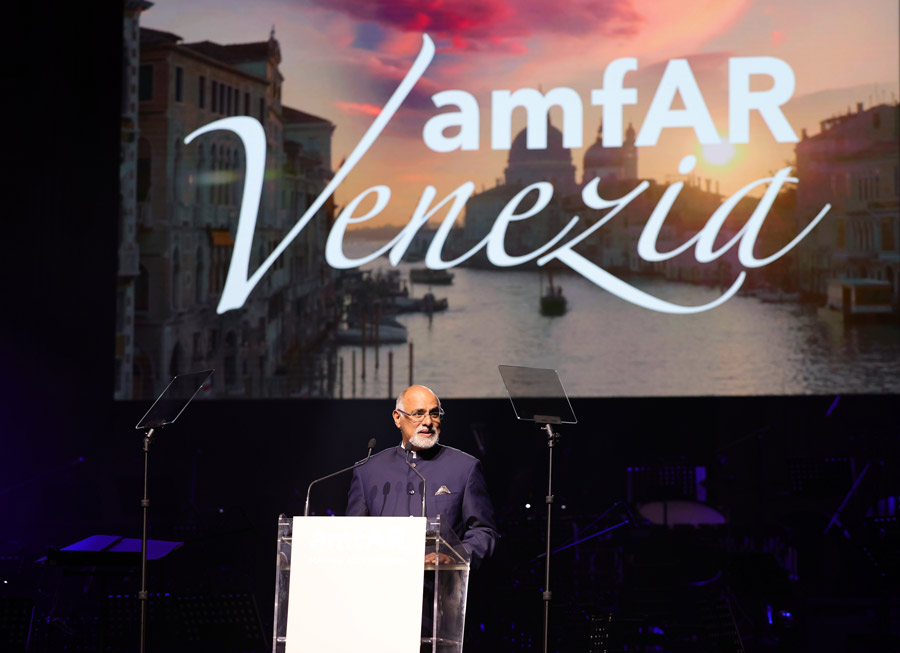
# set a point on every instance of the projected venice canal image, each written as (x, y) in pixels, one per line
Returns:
(294, 337)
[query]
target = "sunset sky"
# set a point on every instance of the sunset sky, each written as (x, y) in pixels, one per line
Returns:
(342, 59)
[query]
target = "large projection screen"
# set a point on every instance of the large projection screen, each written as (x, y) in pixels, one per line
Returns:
(326, 199)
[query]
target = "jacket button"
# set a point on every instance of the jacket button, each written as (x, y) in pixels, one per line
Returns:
(413, 465)
(412, 491)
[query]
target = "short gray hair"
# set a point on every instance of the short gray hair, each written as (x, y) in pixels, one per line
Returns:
(398, 405)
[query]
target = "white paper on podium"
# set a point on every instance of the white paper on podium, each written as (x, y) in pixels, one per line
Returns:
(356, 585)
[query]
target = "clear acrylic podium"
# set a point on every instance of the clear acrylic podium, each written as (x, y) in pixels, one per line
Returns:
(359, 580)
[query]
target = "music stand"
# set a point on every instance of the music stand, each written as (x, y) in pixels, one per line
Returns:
(107, 550)
(165, 410)
(537, 395)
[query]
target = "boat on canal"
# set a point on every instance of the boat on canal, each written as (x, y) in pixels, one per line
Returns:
(431, 277)
(553, 302)
(861, 300)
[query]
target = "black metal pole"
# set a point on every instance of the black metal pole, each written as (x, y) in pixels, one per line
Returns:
(143, 596)
(547, 595)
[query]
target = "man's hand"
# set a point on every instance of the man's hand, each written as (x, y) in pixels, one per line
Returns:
(445, 559)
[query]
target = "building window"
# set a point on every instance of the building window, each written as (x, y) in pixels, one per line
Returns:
(218, 269)
(178, 170)
(231, 361)
(176, 280)
(221, 98)
(213, 96)
(198, 346)
(246, 104)
(201, 165)
(237, 101)
(175, 363)
(145, 83)
(262, 110)
(201, 93)
(179, 84)
(221, 246)
(143, 170)
(234, 184)
(213, 166)
(228, 100)
(221, 197)
(199, 277)
(887, 235)
(142, 290)
(841, 235)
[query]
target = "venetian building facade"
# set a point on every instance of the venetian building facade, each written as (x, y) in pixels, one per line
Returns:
(189, 198)
(852, 163)
(312, 304)
(128, 252)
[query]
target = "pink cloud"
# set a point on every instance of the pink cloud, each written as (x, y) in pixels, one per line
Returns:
(494, 25)
(357, 108)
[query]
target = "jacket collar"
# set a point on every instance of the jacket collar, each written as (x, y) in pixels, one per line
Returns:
(424, 454)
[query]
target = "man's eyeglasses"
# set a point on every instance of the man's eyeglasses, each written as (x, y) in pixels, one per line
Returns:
(418, 415)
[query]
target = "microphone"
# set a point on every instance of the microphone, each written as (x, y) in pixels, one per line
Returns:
(341, 471)
(420, 476)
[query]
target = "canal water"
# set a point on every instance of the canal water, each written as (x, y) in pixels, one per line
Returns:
(606, 347)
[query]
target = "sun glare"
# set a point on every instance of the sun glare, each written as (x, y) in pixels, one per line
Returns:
(718, 154)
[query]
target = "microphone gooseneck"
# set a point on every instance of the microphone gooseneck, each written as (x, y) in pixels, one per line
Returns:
(419, 474)
(340, 471)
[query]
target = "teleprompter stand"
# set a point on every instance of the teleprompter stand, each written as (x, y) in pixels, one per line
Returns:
(538, 396)
(164, 411)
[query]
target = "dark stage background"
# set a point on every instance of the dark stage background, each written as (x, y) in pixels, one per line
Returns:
(778, 468)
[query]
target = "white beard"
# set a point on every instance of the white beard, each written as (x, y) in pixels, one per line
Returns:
(423, 442)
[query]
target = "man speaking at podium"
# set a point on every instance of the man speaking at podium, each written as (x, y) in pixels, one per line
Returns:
(454, 486)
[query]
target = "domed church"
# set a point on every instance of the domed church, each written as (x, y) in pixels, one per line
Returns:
(525, 167)
(553, 163)
(610, 163)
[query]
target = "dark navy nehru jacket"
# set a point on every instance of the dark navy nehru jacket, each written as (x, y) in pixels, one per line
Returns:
(455, 488)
